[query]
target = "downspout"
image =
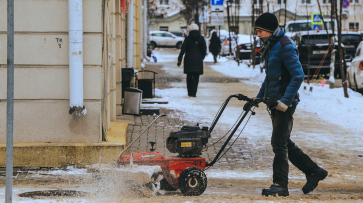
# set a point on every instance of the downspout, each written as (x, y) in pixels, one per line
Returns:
(76, 58)
(130, 35)
(146, 32)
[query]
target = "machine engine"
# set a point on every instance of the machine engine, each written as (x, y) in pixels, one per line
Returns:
(189, 141)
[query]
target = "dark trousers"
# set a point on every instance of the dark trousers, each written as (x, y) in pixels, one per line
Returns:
(285, 149)
(192, 83)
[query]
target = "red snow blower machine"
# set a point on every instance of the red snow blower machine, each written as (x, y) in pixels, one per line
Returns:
(186, 171)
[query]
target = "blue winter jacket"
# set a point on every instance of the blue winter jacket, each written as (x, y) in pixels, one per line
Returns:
(284, 73)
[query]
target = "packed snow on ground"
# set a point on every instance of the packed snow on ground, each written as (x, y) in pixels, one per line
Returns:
(209, 58)
(237, 174)
(243, 71)
(162, 56)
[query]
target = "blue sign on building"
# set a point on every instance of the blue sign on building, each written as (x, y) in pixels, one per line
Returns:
(217, 2)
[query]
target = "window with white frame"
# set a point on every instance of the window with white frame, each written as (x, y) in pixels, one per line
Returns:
(354, 1)
(326, 1)
(164, 2)
(306, 1)
(354, 26)
(279, 1)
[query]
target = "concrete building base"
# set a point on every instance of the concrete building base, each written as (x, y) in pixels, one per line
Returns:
(64, 154)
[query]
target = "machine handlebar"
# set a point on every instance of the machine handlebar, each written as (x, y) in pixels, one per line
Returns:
(254, 101)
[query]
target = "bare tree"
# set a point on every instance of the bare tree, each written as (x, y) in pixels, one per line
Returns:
(342, 72)
(193, 9)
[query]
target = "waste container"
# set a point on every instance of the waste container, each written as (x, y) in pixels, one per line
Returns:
(127, 75)
(132, 101)
(146, 82)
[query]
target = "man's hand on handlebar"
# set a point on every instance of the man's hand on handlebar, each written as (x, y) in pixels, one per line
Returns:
(248, 105)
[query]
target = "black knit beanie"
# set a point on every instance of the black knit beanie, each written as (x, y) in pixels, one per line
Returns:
(267, 22)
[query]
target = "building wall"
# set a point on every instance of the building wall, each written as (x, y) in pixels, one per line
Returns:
(174, 25)
(42, 75)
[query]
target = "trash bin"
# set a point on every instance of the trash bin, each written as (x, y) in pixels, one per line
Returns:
(127, 75)
(132, 101)
(146, 82)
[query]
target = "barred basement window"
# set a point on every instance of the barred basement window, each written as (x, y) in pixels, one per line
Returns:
(164, 28)
(164, 2)
(279, 1)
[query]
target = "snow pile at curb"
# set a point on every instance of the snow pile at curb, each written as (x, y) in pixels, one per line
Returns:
(332, 106)
(231, 68)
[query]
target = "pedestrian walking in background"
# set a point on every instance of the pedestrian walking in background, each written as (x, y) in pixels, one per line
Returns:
(215, 46)
(284, 76)
(195, 49)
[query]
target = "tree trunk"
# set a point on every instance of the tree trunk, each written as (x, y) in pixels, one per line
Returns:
(342, 72)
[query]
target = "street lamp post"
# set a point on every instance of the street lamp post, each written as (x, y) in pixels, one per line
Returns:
(229, 29)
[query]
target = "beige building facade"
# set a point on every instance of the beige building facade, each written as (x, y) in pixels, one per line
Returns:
(41, 100)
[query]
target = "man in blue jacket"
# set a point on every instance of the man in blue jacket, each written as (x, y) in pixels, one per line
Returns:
(284, 76)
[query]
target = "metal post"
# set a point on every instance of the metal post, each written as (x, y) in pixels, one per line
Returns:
(10, 104)
(130, 35)
(229, 30)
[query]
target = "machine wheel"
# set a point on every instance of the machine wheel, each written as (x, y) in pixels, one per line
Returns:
(192, 182)
(152, 45)
(164, 185)
(178, 45)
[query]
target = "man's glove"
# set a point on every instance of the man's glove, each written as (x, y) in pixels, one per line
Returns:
(248, 106)
(178, 64)
(281, 106)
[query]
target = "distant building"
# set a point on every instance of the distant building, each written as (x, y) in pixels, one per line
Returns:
(167, 14)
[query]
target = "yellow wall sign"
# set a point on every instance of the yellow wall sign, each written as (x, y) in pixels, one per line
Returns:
(186, 144)
(317, 18)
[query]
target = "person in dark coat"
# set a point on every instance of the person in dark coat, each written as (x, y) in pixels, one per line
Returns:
(194, 48)
(215, 46)
(284, 76)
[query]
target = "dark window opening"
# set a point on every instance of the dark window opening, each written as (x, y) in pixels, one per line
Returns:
(164, 28)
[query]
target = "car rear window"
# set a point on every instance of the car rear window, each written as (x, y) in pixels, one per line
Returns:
(304, 26)
(351, 38)
(315, 39)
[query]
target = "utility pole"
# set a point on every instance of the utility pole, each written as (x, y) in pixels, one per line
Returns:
(342, 72)
(285, 14)
(10, 104)
(229, 29)
(253, 52)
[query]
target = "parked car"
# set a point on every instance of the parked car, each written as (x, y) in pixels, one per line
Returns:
(164, 39)
(294, 27)
(351, 41)
(245, 46)
(225, 40)
(180, 34)
(318, 43)
(355, 70)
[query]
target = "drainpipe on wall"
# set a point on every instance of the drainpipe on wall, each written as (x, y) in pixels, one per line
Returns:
(76, 58)
(130, 35)
(146, 32)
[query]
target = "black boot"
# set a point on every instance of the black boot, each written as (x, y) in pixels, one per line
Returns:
(276, 189)
(313, 180)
